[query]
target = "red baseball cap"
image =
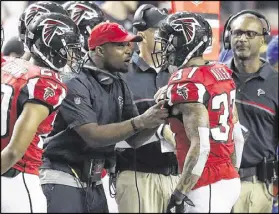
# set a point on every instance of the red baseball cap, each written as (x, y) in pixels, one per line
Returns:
(110, 32)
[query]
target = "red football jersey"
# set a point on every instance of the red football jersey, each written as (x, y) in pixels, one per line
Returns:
(213, 86)
(23, 82)
(2, 58)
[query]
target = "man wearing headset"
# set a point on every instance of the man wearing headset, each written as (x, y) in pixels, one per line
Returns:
(257, 104)
(152, 167)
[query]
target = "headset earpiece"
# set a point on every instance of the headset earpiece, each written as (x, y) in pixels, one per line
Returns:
(138, 21)
(227, 39)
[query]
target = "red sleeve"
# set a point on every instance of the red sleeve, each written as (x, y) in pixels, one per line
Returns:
(189, 92)
(2, 59)
(47, 91)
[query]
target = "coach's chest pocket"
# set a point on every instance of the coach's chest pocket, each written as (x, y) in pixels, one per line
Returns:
(108, 108)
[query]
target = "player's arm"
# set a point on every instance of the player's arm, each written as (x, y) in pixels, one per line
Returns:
(82, 118)
(196, 124)
(105, 135)
(238, 140)
(24, 131)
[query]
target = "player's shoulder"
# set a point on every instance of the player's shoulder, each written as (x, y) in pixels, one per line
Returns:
(207, 74)
(14, 67)
(214, 72)
(21, 69)
(183, 75)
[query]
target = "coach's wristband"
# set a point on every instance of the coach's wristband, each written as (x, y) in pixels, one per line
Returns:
(133, 125)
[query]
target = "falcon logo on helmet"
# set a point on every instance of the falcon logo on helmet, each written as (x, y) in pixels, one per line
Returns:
(187, 26)
(81, 11)
(34, 11)
(52, 27)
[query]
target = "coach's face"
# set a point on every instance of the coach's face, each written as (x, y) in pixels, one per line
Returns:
(246, 37)
(117, 56)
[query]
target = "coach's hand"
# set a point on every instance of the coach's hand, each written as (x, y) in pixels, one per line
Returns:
(152, 117)
(161, 94)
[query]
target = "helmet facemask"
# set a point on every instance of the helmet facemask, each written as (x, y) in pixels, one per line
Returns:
(73, 56)
(163, 48)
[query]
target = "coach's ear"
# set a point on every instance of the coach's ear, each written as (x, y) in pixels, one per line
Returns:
(99, 50)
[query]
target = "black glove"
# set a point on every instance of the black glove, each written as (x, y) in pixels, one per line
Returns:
(176, 206)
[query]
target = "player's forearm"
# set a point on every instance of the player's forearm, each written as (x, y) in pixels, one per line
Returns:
(141, 137)
(188, 180)
(233, 158)
(196, 123)
(239, 144)
(97, 136)
(22, 137)
(9, 158)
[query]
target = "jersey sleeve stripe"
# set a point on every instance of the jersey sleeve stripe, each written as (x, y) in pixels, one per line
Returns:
(192, 72)
(201, 92)
(61, 98)
(169, 95)
(31, 86)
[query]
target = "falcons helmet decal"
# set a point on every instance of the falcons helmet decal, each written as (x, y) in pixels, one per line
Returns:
(189, 29)
(81, 11)
(34, 11)
(52, 27)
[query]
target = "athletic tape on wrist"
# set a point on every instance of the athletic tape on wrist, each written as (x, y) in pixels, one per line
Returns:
(204, 150)
(239, 143)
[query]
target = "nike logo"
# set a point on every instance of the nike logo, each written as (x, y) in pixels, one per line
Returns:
(181, 86)
(53, 86)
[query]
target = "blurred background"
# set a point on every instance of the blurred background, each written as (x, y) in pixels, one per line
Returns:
(123, 11)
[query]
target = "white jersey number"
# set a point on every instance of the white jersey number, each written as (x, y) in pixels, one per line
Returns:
(217, 102)
(6, 95)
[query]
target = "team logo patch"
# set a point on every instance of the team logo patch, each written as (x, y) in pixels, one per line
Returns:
(34, 11)
(187, 26)
(82, 12)
(51, 28)
(161, 11)
(77, 100)
(182, 91)
(49, 92)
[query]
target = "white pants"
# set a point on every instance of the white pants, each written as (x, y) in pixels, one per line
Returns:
(14, 195)
(112, 205)
(215, 198)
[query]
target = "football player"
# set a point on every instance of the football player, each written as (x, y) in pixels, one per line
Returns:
(201, 100)
(86, 15)
(28, 15)
(31, 92)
